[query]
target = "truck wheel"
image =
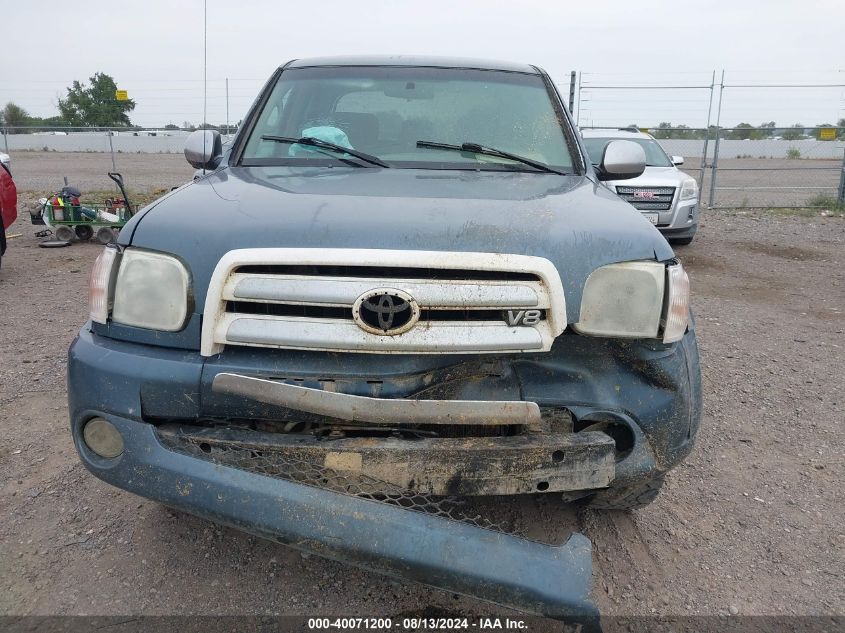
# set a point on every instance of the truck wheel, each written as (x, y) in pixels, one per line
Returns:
(636, 496)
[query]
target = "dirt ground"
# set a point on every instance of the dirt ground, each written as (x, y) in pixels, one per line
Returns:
(751, 523)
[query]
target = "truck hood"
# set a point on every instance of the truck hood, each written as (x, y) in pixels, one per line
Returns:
(572, 221)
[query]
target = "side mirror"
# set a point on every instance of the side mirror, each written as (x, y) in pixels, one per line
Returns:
(621, 160)
(204, 149)
(6, 160)
(677, 160)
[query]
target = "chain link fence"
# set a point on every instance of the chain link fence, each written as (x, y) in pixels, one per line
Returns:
(766, 165)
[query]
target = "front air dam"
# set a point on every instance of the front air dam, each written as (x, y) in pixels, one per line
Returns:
(552, 581)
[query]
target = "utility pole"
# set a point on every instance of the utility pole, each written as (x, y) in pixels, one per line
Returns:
(227, 106)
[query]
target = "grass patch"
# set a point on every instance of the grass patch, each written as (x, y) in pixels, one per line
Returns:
(825, 202)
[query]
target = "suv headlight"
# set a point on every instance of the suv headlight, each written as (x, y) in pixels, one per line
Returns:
(689, 189)
(151, 291)
(634, 300)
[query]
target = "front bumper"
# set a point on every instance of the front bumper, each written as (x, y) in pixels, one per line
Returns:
(684, 219)
(649, 386)
(553, 581)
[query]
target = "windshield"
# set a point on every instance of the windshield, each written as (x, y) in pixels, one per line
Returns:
(654, 154)
(385, 111)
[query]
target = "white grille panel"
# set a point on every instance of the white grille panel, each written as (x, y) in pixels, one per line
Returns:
(300, 333)
(537, 286)
(343, 292)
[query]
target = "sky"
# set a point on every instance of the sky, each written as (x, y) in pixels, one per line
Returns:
(154, 49)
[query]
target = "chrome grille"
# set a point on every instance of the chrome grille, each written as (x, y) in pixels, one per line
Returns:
(304, 298)
(648, 198)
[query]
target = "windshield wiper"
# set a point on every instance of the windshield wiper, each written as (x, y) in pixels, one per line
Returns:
(475, 148)
(316, 142)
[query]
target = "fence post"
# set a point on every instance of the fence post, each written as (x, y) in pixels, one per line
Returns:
(714, 167)
(578, 116)
(707, 132)
(572, 92)
(111, 148)
(841, 197)
(6, 138)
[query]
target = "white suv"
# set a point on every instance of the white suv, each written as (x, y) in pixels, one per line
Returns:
(666, 196)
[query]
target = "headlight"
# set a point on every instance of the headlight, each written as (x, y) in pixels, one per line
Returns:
(689, 189)
(151, 291)
(100, 284)
(634, 299)
(623, 300)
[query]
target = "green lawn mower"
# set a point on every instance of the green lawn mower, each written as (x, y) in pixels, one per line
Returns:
(70, 219)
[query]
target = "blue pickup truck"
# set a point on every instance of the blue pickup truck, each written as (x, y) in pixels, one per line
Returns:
(402, 284)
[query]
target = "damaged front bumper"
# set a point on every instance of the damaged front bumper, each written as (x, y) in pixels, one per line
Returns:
(537, 460)
(553, 581)
(186, 446)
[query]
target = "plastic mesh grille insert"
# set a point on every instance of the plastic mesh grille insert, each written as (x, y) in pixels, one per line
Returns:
(282, 465)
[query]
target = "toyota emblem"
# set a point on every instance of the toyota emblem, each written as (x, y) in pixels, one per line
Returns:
(385, 311)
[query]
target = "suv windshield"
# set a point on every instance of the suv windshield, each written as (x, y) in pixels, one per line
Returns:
(385, 111)
(654, 154)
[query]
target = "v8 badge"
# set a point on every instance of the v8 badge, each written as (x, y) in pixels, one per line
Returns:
(523, 317)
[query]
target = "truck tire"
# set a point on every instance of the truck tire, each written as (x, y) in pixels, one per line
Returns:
(636, 496)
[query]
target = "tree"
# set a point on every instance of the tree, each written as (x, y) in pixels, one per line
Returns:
(95, 105)
(745, 131)
(171, 126)
(794, 133)
(663, 130)
(767, 129)
(14, 116)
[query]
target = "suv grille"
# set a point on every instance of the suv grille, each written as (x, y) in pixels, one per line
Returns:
(648, 198)
(306, 298)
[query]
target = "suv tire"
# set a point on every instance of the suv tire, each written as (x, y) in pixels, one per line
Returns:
(636, 496)
(681, 241)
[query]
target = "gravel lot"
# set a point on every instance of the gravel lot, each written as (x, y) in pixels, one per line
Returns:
(752, 523)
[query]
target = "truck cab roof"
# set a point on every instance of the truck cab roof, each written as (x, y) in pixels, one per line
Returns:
(421, 61)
